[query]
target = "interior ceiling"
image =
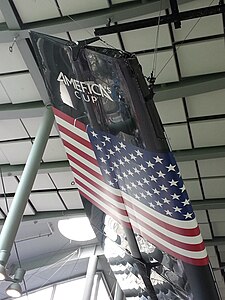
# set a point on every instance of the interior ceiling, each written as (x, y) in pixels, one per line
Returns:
(190, 97)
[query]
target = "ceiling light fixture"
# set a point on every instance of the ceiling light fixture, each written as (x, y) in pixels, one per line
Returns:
(14, 290)
(2, 273)
(76, 229)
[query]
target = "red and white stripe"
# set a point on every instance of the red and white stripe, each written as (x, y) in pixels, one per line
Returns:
(181, 239)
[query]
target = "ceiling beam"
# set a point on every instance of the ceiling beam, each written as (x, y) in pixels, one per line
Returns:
(164, 19)
(208, 204)
(63, 166)
(216, 241)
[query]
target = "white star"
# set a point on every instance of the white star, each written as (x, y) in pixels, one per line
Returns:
(165, 200)
(171, 168)
(151, 205)
(126, 159)
(159, 203)
(136, 196)
(103, 143)
(161, 174)
(125, 175)
(133, 184)
(168, 213)
(148, 194)
(111, 183)
(139, 183)
(186, 202)
(121, 162)
(178, 173)
(98, 147)
(163, 188)
(145, 180)
(143, 195)
(158, 159)
(115, 165)
(177, 209)
(94, 134)
(122, 145)
(119, 176)
(108, 156)
(188, 215)
(182, 188)
(136, 170)
(106, 172)
(128, 186)
(155, 191)
(132, 156)
(173, 182)
(123, 188)
(111, 152)
(142, 168)
(153, 178)
(102, 160)
(115, 179)
(112, 168)
(117, 148)
(139, 153)
(107, 139)
(130, 173)
(175, 196)
(149, 164)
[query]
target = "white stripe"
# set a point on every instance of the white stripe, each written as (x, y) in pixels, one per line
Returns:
(186, 224)
(78, 145)
(112, 190)
(181, 251)
(102, 194)
(175, 236)
(102, 204)
(83, 160)
(72, 128)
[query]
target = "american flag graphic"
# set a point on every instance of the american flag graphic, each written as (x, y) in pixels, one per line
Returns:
(138, 188)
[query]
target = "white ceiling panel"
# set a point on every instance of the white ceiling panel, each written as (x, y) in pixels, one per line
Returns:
(142, 39)
(31, 11)
(214, 187)
(16, 152)
(201, 216)
(12, 129)
(207, 26)
(189, 5)
(1, 17)
(205, 231)
(32, 125)
(218, 228)
(28, 209)
(11, 61)
(208, 133)
(46, 201)
(211, 250)
(24, 89)
(165, 60)
(63, 180)
(178, 136)
(4, 98)
(10, 184)
(217, 215)
(214, 262)
(171, 111)
(54, 150)
(206, 104)
(42, 182)
(188, 169)
(120, 1)
(212, 167)
(193, 189)
(70, 7)
(200, 58)
(3, 158)
(72, 199)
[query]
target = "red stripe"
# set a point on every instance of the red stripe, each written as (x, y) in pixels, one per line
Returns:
(85, 167)
(181, 245)
(100, 198)
(80, 125)
(74, 136)
(63, 116)
(183, 231)
(101, 188)
(80, 152)
(193, 261)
